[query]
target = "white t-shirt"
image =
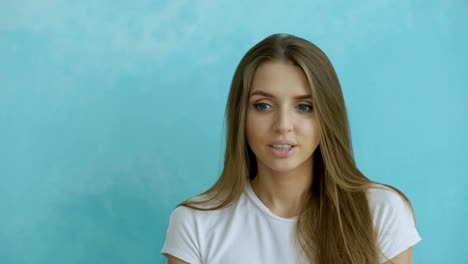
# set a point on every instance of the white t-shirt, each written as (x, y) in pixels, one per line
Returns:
(248, 232)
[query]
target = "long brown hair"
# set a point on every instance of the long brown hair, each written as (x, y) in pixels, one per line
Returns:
(335, 226)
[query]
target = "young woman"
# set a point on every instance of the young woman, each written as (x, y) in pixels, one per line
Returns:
(290, 191)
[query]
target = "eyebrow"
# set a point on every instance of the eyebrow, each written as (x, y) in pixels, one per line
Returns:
(306, 96)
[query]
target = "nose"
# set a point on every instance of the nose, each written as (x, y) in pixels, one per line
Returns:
(284, 122)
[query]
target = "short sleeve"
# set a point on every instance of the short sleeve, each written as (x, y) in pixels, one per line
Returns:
(181, 236)
(393, 222)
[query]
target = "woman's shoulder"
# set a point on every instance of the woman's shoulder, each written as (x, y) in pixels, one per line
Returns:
(381, 195)
(389, 205)
(393, 218)
(201, 209)
(184, 211)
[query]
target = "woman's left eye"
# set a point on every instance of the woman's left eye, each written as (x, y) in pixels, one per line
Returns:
(305, 107)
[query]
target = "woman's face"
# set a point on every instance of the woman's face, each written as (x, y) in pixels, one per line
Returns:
(280, 109)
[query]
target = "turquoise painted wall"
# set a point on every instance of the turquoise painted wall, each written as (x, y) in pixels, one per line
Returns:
(111, 113)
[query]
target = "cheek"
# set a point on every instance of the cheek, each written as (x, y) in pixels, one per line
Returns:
(249, 128)
(309, 130)
(256, 129)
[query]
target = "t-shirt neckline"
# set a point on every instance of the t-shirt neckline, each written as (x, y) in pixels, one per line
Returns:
(253, 196)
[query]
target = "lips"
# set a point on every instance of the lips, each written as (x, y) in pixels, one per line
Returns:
(282, 153)
(281, 147)
(283, 142)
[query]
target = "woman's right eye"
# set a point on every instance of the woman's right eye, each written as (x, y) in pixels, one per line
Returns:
(261, 106)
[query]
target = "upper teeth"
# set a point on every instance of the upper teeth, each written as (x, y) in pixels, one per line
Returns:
(282, 146)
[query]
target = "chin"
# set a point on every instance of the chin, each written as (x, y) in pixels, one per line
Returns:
(282, 166)
(283, 170)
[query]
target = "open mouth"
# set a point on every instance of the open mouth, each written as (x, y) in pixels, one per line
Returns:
(282, 151)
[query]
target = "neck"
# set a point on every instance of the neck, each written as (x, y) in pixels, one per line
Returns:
(283, 193)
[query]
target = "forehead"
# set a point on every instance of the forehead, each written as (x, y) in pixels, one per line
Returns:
(281, 79)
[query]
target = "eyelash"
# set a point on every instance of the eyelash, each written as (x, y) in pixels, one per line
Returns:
(258, 104)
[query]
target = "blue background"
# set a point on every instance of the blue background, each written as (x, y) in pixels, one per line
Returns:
(111, 113)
